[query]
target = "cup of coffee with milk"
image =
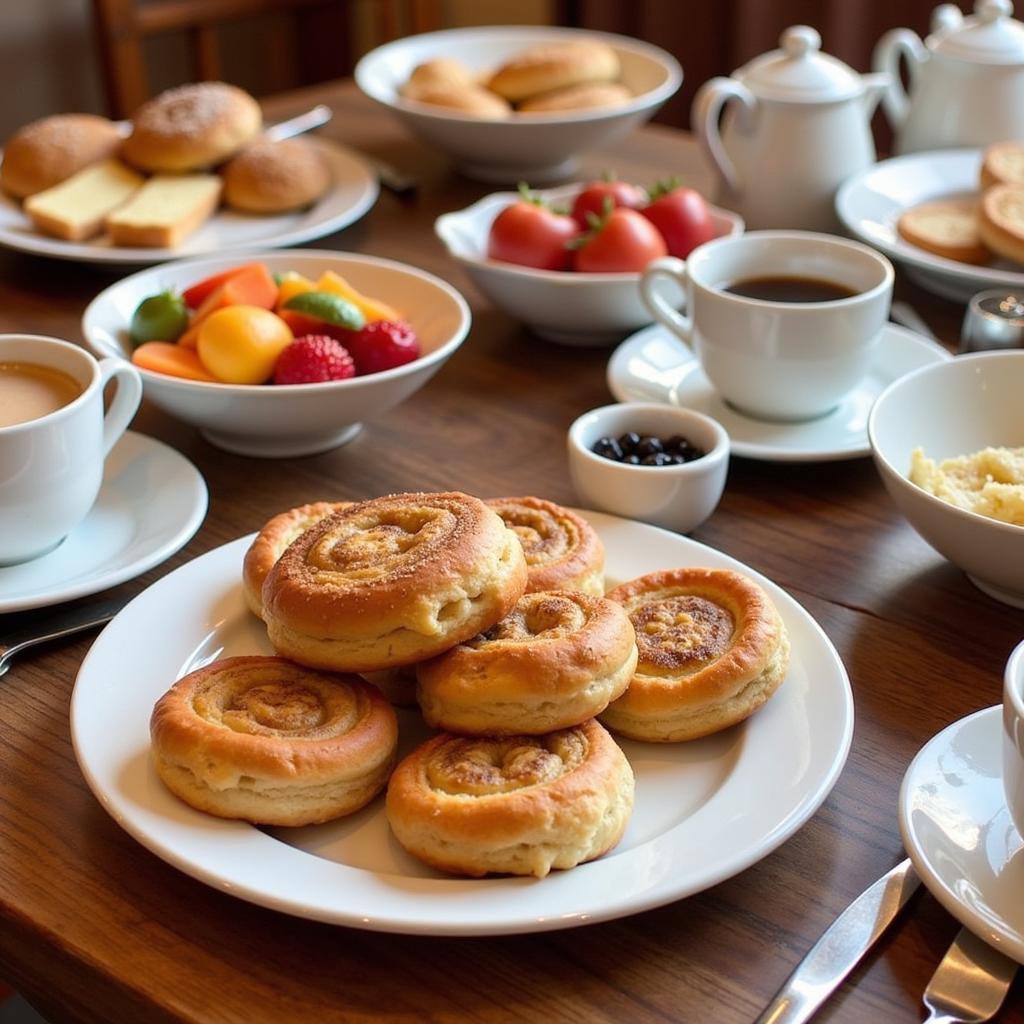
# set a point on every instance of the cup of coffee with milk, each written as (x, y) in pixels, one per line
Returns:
(783, 323)
(54, 437)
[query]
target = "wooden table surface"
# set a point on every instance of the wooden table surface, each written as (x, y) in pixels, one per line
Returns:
(95, 928)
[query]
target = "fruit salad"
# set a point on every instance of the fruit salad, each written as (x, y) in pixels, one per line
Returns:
(248, 326)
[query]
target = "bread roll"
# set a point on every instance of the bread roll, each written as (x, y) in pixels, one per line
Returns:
(588, 96)
(47, 152)
(275, 177)
(542, 69)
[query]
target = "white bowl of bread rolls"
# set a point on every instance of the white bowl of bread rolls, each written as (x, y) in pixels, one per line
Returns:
(510, 103)
(280, 421)
(948, 442)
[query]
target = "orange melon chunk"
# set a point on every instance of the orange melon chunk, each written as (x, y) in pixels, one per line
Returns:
(172, 360)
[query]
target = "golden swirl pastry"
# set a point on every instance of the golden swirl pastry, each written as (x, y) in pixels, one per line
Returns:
(273, 743)
(563, 551)
(521, 805)
(393, 581)
(270, 544)
(556, 660)
(712, 649)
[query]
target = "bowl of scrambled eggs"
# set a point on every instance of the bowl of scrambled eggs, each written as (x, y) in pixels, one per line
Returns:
(948, 442)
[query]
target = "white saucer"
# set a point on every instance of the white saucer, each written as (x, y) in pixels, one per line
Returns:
(151, 502)
(654, 366)
(958, 832)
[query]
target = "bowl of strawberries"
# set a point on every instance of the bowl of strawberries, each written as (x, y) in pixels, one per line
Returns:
(567, 261)
(282, 353)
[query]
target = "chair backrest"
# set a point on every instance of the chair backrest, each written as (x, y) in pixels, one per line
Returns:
(304, 40)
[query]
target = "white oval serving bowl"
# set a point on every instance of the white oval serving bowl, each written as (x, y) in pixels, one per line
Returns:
(275, 421)
(534, 147)
(676, 497)
(558, 305)
(953, 408)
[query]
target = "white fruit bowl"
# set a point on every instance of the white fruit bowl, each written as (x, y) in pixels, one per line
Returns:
(559, 305)
(279, 421)
(947, 409)
(534, 147)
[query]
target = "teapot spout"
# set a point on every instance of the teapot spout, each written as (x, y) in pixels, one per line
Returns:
(875, 86)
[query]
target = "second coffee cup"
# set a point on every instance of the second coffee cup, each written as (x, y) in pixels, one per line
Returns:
(784, 323)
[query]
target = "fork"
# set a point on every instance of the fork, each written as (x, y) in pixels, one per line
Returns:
(970, 984)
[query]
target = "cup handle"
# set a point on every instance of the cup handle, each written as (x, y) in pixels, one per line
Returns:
(125, 402)
(674, 270)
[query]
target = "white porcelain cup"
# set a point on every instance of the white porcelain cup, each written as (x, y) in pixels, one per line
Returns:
(1013, 736)
(51, 467)
(777, 360)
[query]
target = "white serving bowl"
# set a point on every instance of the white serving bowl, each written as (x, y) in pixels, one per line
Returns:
(558, 305)
(296, 419)
(677, 497)
(533, 147)
(947, 409)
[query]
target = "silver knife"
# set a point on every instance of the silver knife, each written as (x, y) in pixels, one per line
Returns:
(839, 950)
(970, 983)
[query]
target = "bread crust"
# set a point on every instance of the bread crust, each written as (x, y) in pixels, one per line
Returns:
(48, 151)
(946, 227)
(191, 127)
(542, 69)
(563, 551)
(586, 96)
(262, 739)
(712, 650)
(520, 805)
(559, 658)
(1001, 221)
(393, 581)
(271, 542)
(470, 99)
(275, 177)
(126, 229)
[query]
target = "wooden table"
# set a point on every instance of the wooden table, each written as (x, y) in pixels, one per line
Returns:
(95, 928)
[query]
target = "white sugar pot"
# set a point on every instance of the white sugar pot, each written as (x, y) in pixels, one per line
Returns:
(796, 124)
(966, 80)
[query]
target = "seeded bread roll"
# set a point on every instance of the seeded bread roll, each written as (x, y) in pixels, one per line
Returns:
(589, 96)
(275, 177)
(542, 69)
(191, 127)
(1001, 221)
(1003, 164)
(47, 152)
(947, 227)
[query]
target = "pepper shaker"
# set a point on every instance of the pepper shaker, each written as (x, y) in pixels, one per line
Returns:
(993, 320)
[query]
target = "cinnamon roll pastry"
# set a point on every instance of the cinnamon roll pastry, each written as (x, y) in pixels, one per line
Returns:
(557, 659)
(271, 542)
(273, 743)
(521, 805)
(712, 649)
(393, 581)
(563, 551)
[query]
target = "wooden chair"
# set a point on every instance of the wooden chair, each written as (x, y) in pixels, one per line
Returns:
(324, 28)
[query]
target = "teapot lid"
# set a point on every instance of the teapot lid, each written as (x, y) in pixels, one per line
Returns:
(799, 72)
(989, 36)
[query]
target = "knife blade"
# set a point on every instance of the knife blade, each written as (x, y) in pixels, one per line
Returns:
(59, 624)
(841, 947)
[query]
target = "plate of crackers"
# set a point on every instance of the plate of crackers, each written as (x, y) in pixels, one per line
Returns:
(191, 173)
(430, 713)
(954, 218)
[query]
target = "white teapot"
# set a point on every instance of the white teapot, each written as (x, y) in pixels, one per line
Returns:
(966, 79)
(797, 123)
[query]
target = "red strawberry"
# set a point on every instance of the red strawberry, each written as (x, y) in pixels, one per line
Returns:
(382, 345)
(312, 359)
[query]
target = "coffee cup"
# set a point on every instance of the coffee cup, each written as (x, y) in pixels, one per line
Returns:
(1013, 736)
(54, 437)
(783, 323)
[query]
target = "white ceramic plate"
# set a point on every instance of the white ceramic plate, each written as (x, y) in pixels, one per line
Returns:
(354, 191)
(704, 810)
(870, 203)
(958, 831)
(653, 366)
(151, 502)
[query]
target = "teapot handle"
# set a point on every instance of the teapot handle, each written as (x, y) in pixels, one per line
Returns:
(900, 42)
(707, 108)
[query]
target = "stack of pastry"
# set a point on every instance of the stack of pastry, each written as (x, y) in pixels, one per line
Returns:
(545, 79)
(973, 229)
(159, 183)
(496, 611)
